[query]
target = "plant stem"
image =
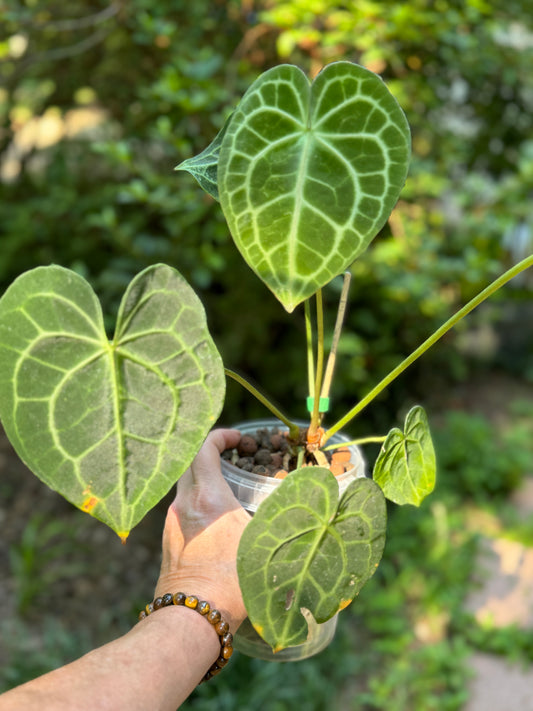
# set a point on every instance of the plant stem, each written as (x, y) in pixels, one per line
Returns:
(354, 442)
(330, 367)
(293, 428)
(450, 323)
(310, 355)
(315, 417)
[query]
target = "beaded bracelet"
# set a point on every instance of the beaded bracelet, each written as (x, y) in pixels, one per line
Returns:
(212, 616)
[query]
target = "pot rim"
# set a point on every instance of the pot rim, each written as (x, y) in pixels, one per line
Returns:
(269, 481)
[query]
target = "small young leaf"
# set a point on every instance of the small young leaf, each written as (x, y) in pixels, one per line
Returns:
(204, 166)
(109, 425)
(406, 468)
(308, 174)
(305, 551)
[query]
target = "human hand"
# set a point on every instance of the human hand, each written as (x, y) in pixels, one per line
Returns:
(202, 533)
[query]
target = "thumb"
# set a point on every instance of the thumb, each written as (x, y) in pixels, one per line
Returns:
(206, 464)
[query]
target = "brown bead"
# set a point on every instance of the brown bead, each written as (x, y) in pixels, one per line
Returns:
(227, 652)
(142, 615)
(203, 607)
(179, 598)
(221, 662)
(214, 617)
(226, 640)
(221, 628)
(191, 601)
(207, 676)
(149, 608)
(167, 599)
(158, 603)
(214, 670)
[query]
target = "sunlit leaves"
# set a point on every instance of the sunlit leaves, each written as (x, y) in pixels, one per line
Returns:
(406, 467)
(109, 425)
(306, 550)
(308, 174)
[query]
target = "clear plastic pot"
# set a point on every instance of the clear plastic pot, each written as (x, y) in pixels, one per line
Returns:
(250, 489)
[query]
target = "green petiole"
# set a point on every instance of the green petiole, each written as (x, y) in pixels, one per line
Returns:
(429, 342)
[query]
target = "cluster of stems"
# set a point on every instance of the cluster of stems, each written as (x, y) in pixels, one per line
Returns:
(320, 378)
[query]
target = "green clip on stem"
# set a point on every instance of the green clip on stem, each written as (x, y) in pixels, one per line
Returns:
(323, 405)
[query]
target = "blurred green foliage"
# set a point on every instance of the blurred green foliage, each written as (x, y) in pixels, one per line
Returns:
(478, 461)
(158, 79)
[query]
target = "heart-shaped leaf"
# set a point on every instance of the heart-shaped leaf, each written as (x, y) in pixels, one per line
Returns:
(308, 174)
(109, 425)
(406, 465)
(305, 551)
(204, 166)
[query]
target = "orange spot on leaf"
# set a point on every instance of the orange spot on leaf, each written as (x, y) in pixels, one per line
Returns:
(89, 504)
(123, 535)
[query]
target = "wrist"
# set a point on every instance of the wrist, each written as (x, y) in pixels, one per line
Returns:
(228, 601)
(179, 603)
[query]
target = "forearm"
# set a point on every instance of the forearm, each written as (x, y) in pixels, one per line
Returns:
(154, 667)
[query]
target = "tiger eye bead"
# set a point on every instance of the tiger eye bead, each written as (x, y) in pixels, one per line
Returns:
(158, 603)
(167, 599)
(221, 628)
(203, 607)
(179, 598)
(142, 615)
(191, 601)
(214, 617)
(149, 608)
(227, 652)
(214, 670)
(226, 640)
(221, 662)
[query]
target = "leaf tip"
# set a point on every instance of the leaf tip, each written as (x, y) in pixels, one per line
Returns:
(123, 535)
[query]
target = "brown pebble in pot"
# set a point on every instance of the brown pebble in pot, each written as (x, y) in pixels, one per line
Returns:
(277, 441)
(260, 469)
(277, 460)
(247, 446)
(263, 456)
(245, 463)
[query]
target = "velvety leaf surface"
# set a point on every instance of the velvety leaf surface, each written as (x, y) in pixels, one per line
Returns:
(308, 174)
(406, 466)
(306, 550)
(109, 425)
(204, 166)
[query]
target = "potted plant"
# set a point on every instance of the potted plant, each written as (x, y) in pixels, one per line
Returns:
(306, 176)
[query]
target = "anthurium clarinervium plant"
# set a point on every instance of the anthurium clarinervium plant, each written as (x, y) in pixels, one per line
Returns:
(306, 175)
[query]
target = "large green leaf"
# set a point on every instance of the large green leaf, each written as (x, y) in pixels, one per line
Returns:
(305, 553)
(406, 466)
(109, 425)
(308, 174)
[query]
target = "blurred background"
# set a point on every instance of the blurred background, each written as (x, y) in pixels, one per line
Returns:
(99, 100)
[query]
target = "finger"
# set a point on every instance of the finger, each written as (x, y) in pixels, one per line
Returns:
(206, 464)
